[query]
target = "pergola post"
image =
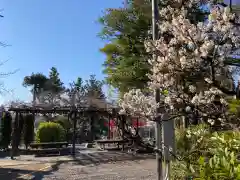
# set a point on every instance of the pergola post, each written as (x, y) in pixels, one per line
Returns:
(109, 126)
(113, 117)
(123, 120)
(137, 129)
(92, 129)
(74, 118)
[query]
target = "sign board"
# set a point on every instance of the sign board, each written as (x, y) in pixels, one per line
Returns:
(168, 136)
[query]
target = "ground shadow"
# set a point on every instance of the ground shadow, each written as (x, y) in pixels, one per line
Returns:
(39, 175)
(85, 159)
(4, 153)
(12, 173)
(17, 174)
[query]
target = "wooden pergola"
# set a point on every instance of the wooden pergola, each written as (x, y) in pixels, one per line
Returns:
(73, 112)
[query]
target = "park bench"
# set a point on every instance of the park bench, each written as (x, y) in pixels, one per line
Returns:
(52, 148)
(102, 143)
(48, 145)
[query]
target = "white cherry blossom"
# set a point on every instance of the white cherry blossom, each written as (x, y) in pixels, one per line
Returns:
(189, 64)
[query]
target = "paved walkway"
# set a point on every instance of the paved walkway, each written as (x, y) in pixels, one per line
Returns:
(95, 165)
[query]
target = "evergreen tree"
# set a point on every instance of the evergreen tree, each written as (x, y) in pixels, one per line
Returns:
(37, 81)
(125, 29)
(6, 129)
(16, 134)
(28, 131)
(55, 84)
(93, 88)
(19, 130)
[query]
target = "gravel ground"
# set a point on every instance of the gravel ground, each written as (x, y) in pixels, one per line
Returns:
(129, 170)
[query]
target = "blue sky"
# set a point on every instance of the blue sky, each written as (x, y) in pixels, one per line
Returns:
(46, 33)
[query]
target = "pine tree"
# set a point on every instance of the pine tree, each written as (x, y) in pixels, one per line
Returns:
(55, 84)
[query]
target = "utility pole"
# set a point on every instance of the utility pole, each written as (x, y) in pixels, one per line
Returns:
(126, 3)
(230, 5)
(158, 128)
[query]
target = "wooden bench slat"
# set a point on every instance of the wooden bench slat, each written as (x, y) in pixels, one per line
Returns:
(111, 141)
(108, 141)
(49, 145)
(57, 143)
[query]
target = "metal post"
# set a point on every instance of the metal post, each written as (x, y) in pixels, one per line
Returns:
(74, 132)
(158, 128)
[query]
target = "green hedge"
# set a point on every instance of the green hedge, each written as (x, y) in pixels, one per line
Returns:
(50, 132)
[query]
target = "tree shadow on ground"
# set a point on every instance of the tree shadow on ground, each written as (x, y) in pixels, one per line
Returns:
(13, 173)
(20, 174)
(111, 156)
(4, 153)
(82, 159)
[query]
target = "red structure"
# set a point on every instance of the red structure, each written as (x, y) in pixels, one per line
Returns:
(110, 124)
(135, 123)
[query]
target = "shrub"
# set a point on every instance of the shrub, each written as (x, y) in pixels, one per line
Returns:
(6, 129)
(178, 170)
(28, 130)
(207, 155)
(64, 122)
(223, 140)
(191, 143)
(222, 165)
(50, 132)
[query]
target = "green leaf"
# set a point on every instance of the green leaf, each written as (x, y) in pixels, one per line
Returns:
(211, 162)
(224, 162)
(201, 160)
(226, 152)
(191, 169)
(232, 158)
(165, 92)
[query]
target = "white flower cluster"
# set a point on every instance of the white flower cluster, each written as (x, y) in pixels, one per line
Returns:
(189, 58)
(207, 97)
(194, 49)
(136, 103)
